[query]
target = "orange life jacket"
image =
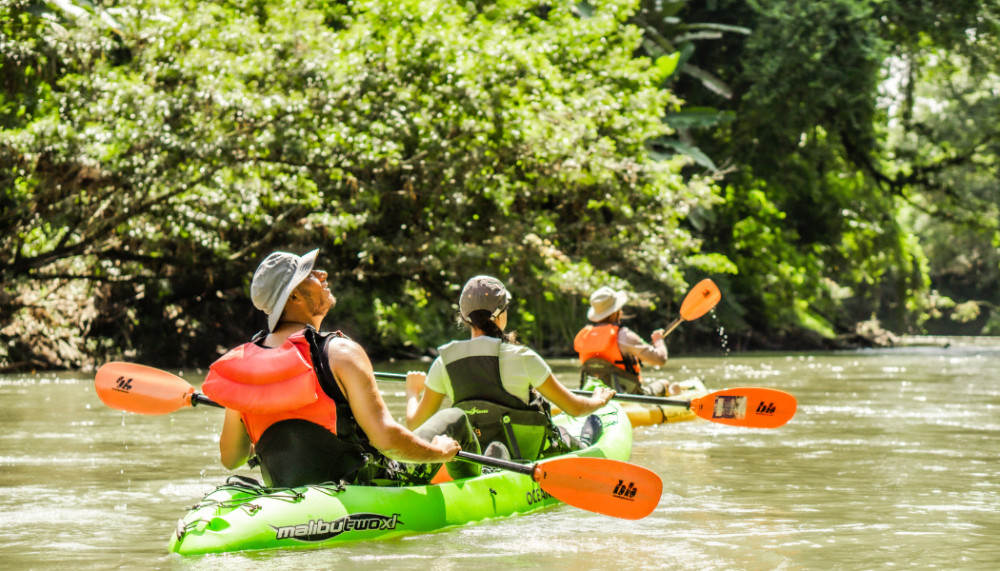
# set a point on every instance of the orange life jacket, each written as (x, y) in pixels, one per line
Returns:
(602, 341)
(268, 385)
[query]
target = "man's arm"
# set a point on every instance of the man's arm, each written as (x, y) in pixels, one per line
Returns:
(630, 342)
(234, 443)
(353, 371)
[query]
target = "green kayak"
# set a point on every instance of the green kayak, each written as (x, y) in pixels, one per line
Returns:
(241, 516)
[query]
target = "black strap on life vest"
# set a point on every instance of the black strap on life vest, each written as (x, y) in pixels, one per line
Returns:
(319, 343)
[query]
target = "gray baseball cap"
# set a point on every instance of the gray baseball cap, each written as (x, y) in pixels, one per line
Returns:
(483, 292)
(275, 279)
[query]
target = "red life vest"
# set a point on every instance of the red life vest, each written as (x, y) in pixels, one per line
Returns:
(602, 341)
(268, 385)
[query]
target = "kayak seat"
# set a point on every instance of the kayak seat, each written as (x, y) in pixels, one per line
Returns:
(614, 377)
(523, 432)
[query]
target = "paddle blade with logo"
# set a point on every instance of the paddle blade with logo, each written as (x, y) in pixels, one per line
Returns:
(699, 301)
(702, 298)
(601, 485)
(141, 389)
(750, 407)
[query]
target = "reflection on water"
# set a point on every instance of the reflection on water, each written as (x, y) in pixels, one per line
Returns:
(890, 462)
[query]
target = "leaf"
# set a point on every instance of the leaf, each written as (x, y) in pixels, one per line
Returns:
(711, 82)
(666, 66)
(698, 117)
(685, 149)
(693, 36)
(719, 27)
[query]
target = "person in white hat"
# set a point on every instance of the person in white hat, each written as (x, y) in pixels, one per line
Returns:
(304, 405)
(615, 353)
(491, 377)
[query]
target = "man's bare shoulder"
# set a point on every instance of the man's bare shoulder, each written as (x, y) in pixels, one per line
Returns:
(341, 341)
(343, 351)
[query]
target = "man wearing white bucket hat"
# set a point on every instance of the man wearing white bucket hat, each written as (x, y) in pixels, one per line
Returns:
(615, 353)
(304, 405)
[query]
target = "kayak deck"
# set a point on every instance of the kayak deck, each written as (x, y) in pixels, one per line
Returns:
(238, 516)
(650, 414)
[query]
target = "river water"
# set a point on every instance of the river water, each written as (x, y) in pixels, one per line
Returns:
(891, 462)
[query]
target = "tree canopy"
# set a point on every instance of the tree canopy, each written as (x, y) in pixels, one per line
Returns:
(825, 162)
(862, 137)
(154, 153)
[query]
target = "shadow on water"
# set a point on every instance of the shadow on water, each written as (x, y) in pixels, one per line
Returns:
(890, 462)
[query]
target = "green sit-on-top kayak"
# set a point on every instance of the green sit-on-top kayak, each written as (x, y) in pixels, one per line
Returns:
(239, 516)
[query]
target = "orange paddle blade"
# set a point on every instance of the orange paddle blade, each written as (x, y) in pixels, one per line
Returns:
(141, 389)
(702, 297)
(601, 485)
(751, 407)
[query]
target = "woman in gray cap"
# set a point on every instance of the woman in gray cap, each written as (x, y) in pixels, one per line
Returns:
(304, 404)
(614, 353)
(499, 383)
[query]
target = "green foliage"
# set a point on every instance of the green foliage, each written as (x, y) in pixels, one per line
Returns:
(945, 149)
(152, 152)
(416, 145)
(866, 127)
(671, 43)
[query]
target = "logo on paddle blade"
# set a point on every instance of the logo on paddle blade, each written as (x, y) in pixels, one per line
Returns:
(123, 384)
(766, 409)
(625, 491)
(320, 530)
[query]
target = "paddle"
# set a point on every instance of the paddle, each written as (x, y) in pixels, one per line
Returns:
(600, 485)
(702, 297)
(145, 390)
(749, 406)
(768, 408)
(392, 376)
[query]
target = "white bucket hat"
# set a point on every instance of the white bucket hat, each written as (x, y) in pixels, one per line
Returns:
(604, 302)
(275, 279)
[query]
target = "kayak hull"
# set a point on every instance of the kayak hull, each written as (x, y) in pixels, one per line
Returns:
(650, 414)
(238, 517)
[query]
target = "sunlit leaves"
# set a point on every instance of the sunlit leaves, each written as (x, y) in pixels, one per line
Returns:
(415, 144)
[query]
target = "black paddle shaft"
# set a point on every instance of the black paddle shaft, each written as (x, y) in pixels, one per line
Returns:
(198, 398)
(528, 470)
(641, 398)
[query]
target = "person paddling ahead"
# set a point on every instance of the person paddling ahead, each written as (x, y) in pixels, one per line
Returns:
(304, 404)
(614, 353)
(499, 383)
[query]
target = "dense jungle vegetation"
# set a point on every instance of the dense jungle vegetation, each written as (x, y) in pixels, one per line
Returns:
(832, 165)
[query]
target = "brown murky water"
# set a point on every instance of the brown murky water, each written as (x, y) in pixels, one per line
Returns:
(890, 463)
